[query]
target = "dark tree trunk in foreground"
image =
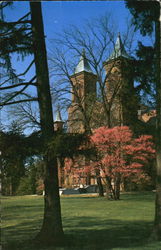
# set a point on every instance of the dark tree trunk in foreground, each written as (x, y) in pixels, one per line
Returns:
(157, 222)
(51, 231)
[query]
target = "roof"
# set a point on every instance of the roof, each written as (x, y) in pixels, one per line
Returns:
(119, 50)
(83, 64)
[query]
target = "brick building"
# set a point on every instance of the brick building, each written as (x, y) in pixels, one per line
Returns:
(119, 106)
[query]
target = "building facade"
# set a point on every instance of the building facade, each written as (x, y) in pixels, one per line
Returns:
(118, 106)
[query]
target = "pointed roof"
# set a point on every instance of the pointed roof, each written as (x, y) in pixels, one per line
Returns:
(83, 64)
(119, 50)
(58, 116)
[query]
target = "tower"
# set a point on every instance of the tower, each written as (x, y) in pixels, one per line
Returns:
(120, 86)
(83, 95)
(58, 122)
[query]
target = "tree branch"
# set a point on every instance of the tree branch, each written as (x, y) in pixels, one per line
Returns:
(18, 22)
(30, 65)
(20, 101)
(20, 84)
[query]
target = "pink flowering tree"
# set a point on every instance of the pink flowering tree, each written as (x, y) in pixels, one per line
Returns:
(119, 155)
(74, 171)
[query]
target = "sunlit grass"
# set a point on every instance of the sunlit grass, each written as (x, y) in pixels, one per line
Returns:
(89, 222)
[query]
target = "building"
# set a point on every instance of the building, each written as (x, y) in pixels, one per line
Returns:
(119, 105)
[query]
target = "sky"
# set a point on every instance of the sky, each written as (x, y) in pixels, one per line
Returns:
(60, 14)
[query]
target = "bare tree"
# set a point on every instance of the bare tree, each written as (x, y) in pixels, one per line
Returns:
(97, 38)
(26, 115)
(88, 110)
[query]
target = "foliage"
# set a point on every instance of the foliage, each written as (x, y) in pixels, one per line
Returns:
(147, 19)
(13, 156)
(25, 186)
(145, 14)
(119, 154)
(16, 39)
(16, 36)
(28, 183)
(145, 74)
(16, 150)
(68, 145)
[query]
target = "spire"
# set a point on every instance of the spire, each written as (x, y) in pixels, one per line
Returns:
(119, 50)
(58, 123)
(83, 64)
(58, 116)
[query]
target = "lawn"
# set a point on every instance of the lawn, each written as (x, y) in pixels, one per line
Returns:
(89, 222)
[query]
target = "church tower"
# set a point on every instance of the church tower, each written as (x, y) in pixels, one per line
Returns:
(83, 94)
(58, 122)
(120, 86)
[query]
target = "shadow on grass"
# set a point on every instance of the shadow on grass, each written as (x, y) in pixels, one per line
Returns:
(108, 234)
(84, 233)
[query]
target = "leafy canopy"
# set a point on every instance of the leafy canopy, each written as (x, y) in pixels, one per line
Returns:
(119, 152)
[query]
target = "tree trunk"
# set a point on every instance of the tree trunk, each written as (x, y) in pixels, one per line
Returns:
(108, 192)
(100, 186)
(60, 161)
(109, 189)
(88, 179)
(117, 187)
(157, 222)
(51, 231)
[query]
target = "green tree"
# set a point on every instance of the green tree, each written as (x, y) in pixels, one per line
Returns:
(16, 151)
(13, 155)
(146, 19)
(28, 183)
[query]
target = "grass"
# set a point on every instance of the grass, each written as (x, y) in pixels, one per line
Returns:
(89, 222)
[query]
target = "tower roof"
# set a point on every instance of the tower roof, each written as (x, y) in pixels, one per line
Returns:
(119, 50)
(58, 117)
(83, 64)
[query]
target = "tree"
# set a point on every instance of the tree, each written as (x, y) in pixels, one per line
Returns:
(17, 150)
(92, 42)
(146, 19)
(120, 155)
(13, 156)
(51, 231)
(96, 38)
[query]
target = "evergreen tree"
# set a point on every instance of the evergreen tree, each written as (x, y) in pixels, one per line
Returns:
(16, 150)
(146, 19)
(13, 155)
(31, 39)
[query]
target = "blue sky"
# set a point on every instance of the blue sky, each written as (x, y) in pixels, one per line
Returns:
(60, 14)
